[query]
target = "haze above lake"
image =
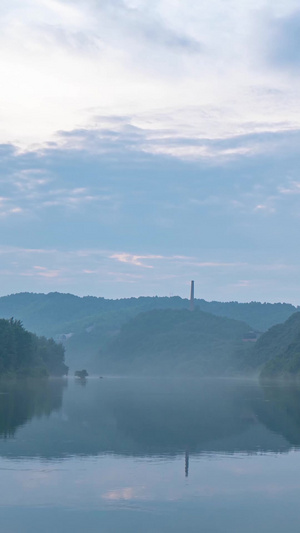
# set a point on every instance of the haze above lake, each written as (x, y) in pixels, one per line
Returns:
(145, 455)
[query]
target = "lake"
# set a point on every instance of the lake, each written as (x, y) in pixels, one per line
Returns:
(149, 456)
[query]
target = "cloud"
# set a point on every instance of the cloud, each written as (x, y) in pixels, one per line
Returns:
(104, 273)
(136, 22)
(27, 180)
(266, 208)
(113, 213)
(292, 188)
(118, 184)
(165, 135)
(42, 272)
(283, 39)
(180, 65)
(135, 260)
(7, 207)
(244, 283)
(124, 137)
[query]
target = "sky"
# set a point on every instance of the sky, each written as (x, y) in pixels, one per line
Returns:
(144, 144)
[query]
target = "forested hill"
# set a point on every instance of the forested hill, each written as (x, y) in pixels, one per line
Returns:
(260, 316)
(89, 324)
(277, 351)
(168, 342)
(24, 354)
(53, 313)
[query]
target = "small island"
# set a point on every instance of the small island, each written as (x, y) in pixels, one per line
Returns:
(81, 374)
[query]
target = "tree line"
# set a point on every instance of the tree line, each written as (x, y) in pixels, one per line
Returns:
(25, 354)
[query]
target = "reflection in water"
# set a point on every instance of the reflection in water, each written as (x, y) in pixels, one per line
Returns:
(281, 410)
(187, 463)
(22, 400)
(148, 417)
(149, 455)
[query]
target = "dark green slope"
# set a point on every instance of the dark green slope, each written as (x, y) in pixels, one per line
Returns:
(85, 325)
(24, 354)
(49, 314)
(260, 316)
(177, 342)
(277, 351)
(88, 324)
(53, 313)
(56, 313)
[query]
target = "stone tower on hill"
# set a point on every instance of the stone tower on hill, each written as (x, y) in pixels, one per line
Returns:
(192, 302)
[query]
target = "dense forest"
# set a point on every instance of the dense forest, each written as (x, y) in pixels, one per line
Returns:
(154, 335)
(179, 342)
(88, 325)
(167, 342)
(49, 314)
(277, 352)
(24, 354)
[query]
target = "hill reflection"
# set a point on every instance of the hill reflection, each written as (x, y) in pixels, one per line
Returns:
(22, 400)
(145, 417)
(281, 410)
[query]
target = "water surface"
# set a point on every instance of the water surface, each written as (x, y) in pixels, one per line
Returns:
(149, 456)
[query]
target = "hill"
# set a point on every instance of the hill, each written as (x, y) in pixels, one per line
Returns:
(24, 354)
(88, 324)
(168, 342)
(277, 351)
(260, 316)
(49, 314)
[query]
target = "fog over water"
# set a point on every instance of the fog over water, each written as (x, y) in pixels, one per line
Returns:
(145, 454)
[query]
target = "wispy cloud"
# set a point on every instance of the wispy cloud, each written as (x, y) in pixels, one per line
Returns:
(135, 260)
(8, 207)
(43, 272)
(193, 152)
(28, 180)
(205, 57)
(266, 208)
(292, 188)
(283, 41)
(103, 272)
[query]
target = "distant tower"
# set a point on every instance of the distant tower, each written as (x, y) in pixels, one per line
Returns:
(192, 302)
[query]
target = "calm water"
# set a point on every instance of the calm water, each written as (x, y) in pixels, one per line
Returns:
(149, 456)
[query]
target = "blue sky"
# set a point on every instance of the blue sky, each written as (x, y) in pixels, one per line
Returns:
(147, 144)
